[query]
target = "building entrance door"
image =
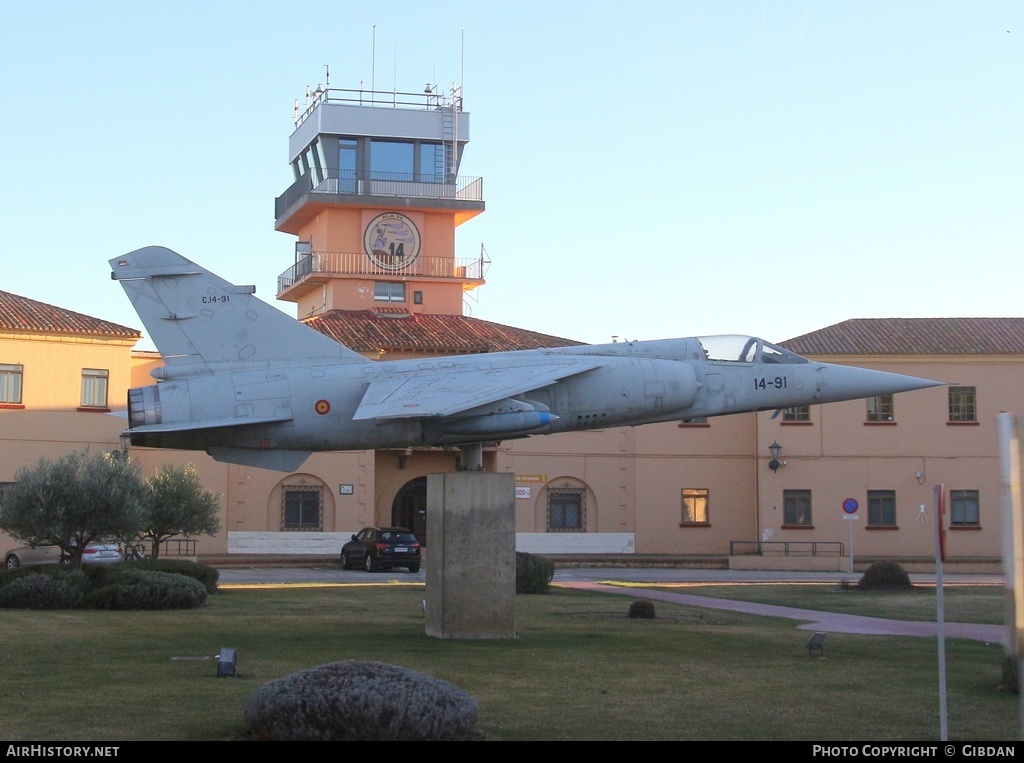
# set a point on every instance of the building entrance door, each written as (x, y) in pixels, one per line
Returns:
(409, 508)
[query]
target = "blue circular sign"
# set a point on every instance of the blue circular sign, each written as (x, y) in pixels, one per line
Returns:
(850, 505)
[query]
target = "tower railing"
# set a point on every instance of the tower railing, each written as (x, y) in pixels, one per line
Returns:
(428, 99)
(358, 263)
(409, 185)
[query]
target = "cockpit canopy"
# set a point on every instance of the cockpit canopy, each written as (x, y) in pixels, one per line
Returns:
(737, 348)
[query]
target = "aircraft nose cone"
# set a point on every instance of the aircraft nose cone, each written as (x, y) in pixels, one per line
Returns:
(849, 383)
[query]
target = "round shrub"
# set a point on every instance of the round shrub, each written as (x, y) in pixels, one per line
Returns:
(885, 575)
(44, 591)
(361, 701)
(533, 573)
(145, 589)
(642, 609)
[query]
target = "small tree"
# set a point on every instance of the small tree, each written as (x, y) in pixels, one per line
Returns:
(73, 501)
(178, 504)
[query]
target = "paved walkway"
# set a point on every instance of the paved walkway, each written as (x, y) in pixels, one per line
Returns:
(812, 620)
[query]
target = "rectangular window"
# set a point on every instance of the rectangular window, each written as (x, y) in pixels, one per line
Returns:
(433, 162)
(389, 291)
(796, 508)
(566, 509)
(391, 160)
(880, 408)
(10, 383)
(799, 413)
(963, 404)
(963, 508)
(695, 506)
(881, 508)
(303, 508)
(94, 387)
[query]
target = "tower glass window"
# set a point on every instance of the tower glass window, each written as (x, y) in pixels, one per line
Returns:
(432, 163)
(392, 160)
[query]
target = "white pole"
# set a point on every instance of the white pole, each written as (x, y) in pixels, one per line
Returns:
(1013, 553)
(850, 523)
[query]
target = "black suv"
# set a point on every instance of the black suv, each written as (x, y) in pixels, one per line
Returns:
(379, 548)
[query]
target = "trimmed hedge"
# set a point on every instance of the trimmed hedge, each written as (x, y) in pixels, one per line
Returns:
(205, 574)
(533, 573)
(361, 701)
(39, 590)
(7, 576)
(147, 589)
(113, 586)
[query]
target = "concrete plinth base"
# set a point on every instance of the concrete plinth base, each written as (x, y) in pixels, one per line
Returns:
(471, 575)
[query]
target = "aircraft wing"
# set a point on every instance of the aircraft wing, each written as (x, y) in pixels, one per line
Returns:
(430, 394)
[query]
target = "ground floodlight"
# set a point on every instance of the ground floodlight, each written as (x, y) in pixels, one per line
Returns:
(227, 660)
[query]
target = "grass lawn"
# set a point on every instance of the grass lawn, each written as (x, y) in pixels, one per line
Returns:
(579, 669)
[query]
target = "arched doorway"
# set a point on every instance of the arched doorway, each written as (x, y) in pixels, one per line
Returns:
(409, 508)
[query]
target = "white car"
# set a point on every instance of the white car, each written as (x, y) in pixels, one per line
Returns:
(95, 553)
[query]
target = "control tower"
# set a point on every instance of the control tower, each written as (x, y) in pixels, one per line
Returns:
(375, 202)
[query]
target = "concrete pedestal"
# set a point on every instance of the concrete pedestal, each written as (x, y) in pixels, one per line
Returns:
(471, 567)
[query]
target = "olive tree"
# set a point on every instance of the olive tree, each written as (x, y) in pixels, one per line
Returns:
(73, 500)
(178, 504)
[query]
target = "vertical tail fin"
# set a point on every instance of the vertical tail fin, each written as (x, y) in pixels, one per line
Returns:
(201, 323)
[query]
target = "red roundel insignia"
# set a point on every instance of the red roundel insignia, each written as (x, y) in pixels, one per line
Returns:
(322, 407)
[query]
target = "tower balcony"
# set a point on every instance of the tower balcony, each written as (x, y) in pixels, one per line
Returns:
(308, 195)
(320, 267)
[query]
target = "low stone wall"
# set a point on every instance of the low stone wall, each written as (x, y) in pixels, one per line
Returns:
(292, 543)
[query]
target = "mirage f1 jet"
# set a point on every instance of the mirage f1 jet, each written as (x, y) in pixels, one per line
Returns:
(250, 385)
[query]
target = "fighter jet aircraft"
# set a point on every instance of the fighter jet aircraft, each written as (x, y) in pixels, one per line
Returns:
(250, 385)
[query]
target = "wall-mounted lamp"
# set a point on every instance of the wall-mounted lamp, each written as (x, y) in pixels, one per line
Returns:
(774, 449)
(126, 441)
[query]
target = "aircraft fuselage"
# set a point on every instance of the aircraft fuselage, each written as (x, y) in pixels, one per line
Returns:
(252, 386)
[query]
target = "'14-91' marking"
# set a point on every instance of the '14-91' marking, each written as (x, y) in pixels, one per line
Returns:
(762, 382)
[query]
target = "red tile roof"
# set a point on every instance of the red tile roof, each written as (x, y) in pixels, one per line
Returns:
(365, 331)
(914, 336)
(27, 315)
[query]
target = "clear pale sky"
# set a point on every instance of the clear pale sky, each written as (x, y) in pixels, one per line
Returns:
(651, 169)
